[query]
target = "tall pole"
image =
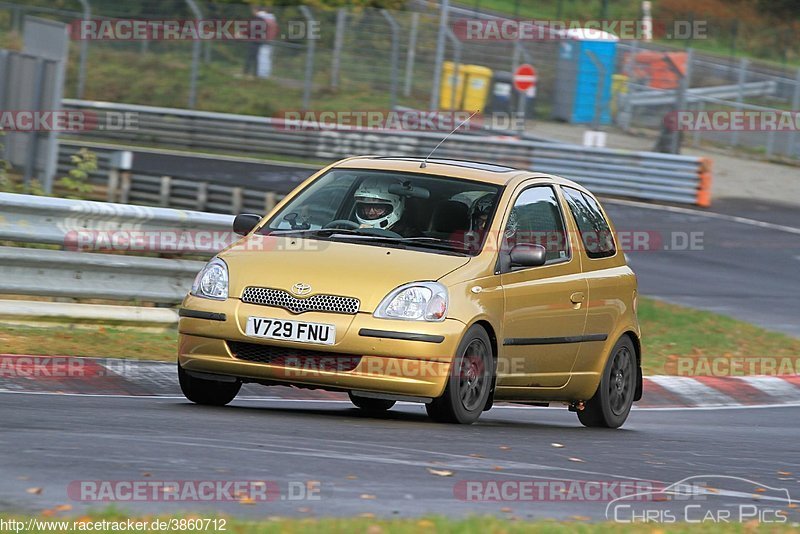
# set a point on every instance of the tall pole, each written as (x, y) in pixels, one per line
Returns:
(87, 14)
(196, 50)
(437, 68)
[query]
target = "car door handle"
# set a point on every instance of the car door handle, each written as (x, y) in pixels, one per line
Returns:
(577, 297)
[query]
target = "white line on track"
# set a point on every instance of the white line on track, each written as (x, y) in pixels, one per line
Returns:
(709, 214)
(329, 401)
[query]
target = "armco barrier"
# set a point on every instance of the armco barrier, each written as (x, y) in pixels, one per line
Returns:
(60, 221)
(90, 275)
(643, 175)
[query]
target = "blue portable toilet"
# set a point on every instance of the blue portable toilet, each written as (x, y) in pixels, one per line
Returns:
(578, 78)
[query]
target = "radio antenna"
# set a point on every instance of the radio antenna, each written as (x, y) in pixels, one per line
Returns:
(425, 161)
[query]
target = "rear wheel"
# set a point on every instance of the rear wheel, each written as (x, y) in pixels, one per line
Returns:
(207, 392)
(611, 403)
(369, 405)
(469, 382)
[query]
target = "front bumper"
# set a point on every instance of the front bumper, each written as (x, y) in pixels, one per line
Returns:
(408, 358)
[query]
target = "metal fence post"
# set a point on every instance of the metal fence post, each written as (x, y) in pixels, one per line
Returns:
(309, 74)
(740, 96)
(33, 137)
(87, 15)
(437, 68)
(680, 101)
(196, 46)
(790, 146)
(411, 54)
(395, 54)
(338, 40)
(456, 68)
(626, 120)
(16, 20)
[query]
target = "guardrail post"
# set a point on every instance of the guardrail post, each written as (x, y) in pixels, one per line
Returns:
(237, 200)
(166, 187)
(202, 196)
(338, 40)
(125, 187)
(120, 164)
(411, 55)
(395, 29)
(269, 201)
(309, 74)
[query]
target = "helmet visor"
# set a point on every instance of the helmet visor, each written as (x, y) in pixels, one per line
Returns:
(371, 211)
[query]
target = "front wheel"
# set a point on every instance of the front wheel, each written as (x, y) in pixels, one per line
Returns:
(469, 383)
(369, 405)
(207, 392)
(611, 403)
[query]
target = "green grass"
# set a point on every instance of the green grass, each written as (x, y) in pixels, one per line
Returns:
(370, 525)
(90, 340)
(668, 332)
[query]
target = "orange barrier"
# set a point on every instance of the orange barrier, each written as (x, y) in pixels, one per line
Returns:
(704, 190)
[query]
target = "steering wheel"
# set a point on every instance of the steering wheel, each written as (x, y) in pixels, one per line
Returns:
(343, 224)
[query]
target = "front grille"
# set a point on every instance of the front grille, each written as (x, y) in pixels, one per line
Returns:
(278, 298)
(300, 359)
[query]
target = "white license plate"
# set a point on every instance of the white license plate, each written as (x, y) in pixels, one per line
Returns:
(324, 334)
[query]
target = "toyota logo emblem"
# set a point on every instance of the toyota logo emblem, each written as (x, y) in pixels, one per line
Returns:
(301, 289)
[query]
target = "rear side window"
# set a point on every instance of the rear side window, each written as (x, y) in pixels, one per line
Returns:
(593, 227)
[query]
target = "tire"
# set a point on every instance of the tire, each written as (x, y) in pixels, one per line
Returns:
(611, 403)
(207, 392)
(372, 406)
(469, 382)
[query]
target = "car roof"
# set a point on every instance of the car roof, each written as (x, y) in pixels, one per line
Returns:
(489, 173)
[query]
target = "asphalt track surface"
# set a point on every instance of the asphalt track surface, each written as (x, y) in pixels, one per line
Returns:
(379, 465)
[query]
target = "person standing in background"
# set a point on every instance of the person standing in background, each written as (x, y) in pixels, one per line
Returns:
(264, 48)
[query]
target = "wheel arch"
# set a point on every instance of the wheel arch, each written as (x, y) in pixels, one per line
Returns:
(490, 331)
(637, 345)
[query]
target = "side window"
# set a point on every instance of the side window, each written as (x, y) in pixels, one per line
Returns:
(536, 219)
(593, 227)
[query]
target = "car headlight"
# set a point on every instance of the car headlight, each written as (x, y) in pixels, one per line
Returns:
(212, 281)
(418, 301)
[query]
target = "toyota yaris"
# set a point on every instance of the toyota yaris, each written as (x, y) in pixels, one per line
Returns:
(451, 283)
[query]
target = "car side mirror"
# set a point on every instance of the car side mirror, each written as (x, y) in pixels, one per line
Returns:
(528, 255)
(244, 223)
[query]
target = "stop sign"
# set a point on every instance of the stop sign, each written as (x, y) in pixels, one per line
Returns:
(525, 78)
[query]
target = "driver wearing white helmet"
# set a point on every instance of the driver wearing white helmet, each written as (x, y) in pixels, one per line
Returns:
(376, 206)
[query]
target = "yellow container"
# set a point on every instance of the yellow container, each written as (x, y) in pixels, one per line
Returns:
(477, 80)
(471, 83)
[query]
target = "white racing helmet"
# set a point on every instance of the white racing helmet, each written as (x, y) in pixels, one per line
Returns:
(376, 206)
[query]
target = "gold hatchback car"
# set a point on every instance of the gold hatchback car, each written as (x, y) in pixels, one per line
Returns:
(451, 283)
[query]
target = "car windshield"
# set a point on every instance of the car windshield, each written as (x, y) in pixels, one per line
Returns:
(422, 211)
